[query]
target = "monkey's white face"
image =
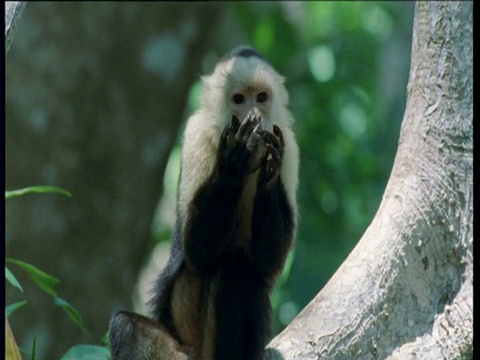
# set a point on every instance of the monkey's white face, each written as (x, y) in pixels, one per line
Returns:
(237, 86)
(251, 100)
(242, 86)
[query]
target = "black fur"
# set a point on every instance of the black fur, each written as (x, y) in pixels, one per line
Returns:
(246, 275)
(161, 299)
(243, 51)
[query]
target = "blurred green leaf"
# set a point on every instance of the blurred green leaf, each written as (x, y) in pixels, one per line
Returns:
(73, 314)
(36, 190)
(105, 340)
(87, 352)
(34, 349)
(46, 282)
(10, 309)
(12, 279)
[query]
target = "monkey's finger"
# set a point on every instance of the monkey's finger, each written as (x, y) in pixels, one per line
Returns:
(227, 136)
(279, 134)
(274, 154)
(235, 123)
(272, 139)
(226, 139)
(246, 128)
(257, 119)
(272, 171)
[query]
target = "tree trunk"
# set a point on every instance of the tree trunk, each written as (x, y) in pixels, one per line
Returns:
(13, 13)
(406, 290)
(90, 108)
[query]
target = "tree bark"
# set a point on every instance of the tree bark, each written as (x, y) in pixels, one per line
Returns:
(95, 94)
(406, 290)
(13, 13)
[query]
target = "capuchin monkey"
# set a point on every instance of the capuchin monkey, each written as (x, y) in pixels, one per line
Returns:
(236, 221)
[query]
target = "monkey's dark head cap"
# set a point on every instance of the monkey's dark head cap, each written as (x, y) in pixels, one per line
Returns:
(243, 51)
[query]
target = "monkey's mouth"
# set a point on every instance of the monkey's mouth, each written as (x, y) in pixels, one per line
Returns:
(263, 125)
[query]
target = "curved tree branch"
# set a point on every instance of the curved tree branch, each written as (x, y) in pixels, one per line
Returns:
(406, 289)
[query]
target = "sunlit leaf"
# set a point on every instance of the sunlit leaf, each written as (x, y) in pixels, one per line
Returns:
(36, 190)
(12, 279)
(10, 309)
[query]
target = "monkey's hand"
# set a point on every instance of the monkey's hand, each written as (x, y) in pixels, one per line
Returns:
(271, 166)
(242, 148)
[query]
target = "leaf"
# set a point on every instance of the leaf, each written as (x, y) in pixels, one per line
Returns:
(87, 352)
(287, 267)
(73, 314)
(34, 349)
(46, 282)
(10, 309)
(11, 348)
(36, 190)
(12, 279)
(105, 340)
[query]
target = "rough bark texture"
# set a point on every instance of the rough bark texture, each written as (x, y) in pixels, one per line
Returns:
(406, 290)
(13, 13)
(95, 93)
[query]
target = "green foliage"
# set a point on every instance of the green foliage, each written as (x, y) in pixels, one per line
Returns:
(48, 284)
(12, 279)
(87, 352)
(34, 349)
(10, 309)
(36, 190)
(72, 314)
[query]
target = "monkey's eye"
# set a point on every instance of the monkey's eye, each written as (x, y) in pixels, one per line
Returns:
(262, 97)
(238, 98)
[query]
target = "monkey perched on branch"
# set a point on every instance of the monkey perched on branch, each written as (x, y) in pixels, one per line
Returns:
(236, 221)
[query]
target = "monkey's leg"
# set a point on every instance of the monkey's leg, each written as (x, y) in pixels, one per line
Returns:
(135, 337)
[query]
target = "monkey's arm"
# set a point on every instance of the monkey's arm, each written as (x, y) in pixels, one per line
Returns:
(210, 218)
(274, 216)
